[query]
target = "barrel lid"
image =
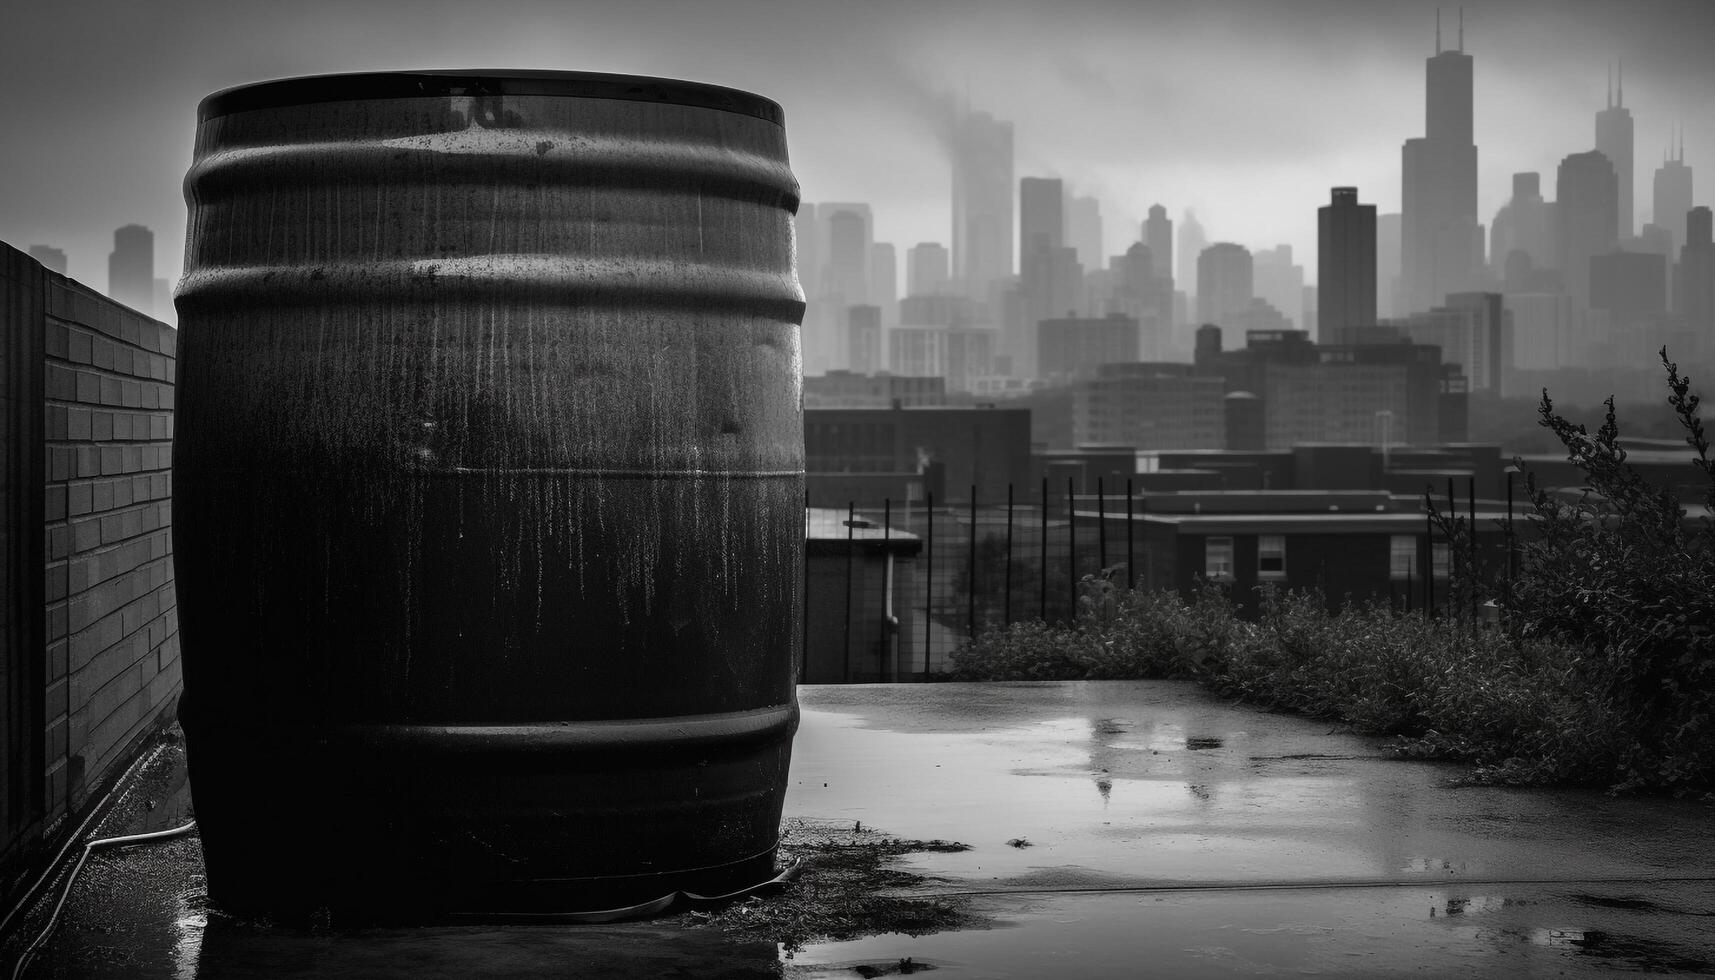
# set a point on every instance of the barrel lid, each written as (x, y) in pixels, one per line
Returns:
(360, 86)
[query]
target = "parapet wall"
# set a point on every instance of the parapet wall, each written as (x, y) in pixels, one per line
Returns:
(93, 657)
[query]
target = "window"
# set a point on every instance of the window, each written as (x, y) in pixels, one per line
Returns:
(1271, 556)
(1402, 556)
(1218, 559)
(1441, 555)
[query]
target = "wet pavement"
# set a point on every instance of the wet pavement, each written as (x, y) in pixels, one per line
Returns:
(1118, 829)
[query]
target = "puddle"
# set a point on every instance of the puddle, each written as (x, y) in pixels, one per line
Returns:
(1198, 743)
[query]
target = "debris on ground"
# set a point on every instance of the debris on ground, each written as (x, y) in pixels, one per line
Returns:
(847, 888)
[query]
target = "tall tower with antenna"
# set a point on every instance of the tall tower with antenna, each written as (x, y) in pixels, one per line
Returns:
(1440, 240)
(1614, 141)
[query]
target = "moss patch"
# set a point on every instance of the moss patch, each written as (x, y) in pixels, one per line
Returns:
(847, 887)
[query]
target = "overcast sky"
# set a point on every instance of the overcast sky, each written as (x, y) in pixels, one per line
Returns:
(1245, 111)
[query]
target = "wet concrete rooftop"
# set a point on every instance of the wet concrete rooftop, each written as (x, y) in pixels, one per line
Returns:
(1164, 832)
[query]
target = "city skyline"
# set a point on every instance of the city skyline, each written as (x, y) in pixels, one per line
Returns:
(1089, 96)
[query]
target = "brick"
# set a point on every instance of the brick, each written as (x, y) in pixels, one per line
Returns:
(56, 622)
(110, 529)
(81, 573)
(169, 341)
(102, 356)
(60, 382)
(54, 503)
(80, 347)
(88, 460)
(122, 492)
(88, 388)
(86, 534)
(55, 582)
(58, 542)
(57, 343)
(56, 741)
(61, 298)
(79, 424)
(112, 461)
(61, 463)
(60, 425)
(131, 394)
(101, 496)
(111, 393)
(80, 498)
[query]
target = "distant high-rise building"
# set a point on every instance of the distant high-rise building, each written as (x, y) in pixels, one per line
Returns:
(1226, 281)
(884, 280)
(1158, 235)
(1614, 141)
(1586, 202)
(1440, 239)
(1041, 215)
(982, 203)
(51, 259)
(1345, 264)
(1697, 282)
(1525, 224)
(926, 269)
(131, 268)
(1672, 195)
(1388, 228)
(1631, 286)
(863, 339)
(1192, 241)
(1279, 281)
(847, 269)
(1084, 230)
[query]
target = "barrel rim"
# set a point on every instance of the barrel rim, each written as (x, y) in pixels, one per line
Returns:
(439, 83)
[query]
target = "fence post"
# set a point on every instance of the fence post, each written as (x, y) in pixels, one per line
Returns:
(1428, 557)
(804, 652)
(890, 668)
(1006, 603)
(1071, 553)
(1130, 569)
(971, 570)
(1042, 581)
(1471, 500)
(928, 577)
(1512, 541)
(1101, 528)
(851, 546)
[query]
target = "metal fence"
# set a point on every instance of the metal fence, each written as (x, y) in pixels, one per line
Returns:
(934, 572)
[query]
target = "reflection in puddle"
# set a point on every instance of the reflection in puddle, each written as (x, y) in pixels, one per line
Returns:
(1196, 743)
(1425, 865)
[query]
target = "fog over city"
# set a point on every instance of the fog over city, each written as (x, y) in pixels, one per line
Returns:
(1245, 113)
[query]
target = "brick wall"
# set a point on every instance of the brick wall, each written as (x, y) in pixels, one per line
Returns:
(109, 637)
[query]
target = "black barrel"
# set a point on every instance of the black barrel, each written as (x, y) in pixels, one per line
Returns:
(489, 487)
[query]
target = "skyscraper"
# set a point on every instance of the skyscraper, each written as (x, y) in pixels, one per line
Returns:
(1440, 240)
(1279, 281)
(52, 259)
(1587, 200)
(1672, 195)
(1192, 241)
(1523, 223)
(1158, 235)
(1225, 277)
(1084, 231)
(1388, 228)
(982, 202)
(846, 276)
(1614, 141)
(926, 269)
(1697, 283)
(884, 280)
(1041, 215)
(131, 268)
(1345, 265)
